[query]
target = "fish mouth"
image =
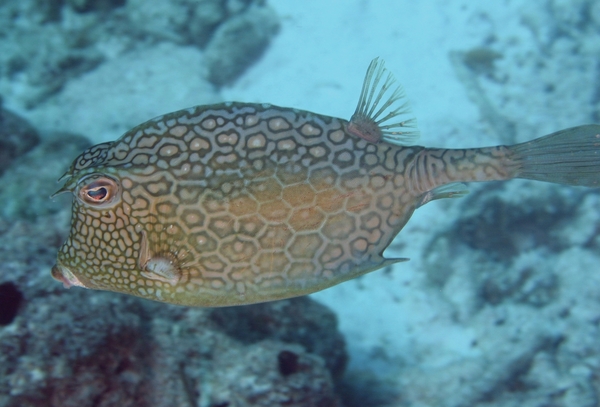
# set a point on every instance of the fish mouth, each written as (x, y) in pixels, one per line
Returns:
(65, 276)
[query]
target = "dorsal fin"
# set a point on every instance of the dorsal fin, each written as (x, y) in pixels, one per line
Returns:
(371, 122)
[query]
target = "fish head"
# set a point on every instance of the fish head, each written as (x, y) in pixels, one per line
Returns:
(120, 238)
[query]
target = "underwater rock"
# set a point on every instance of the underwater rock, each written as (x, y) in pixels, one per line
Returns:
(121, 351)
(84, 6)
(40, 51)
(186, 22)
(142, 93)
(25, 189)
(469, 66)
(555, 37)
(238, 43)
(180, 21)
(500, 231)
(10, 301)
(519, 269)
(523, 359)
(503, 229)
(16, 137)
(53, 10)
(245, 377)
(53, 42)
(280, 320)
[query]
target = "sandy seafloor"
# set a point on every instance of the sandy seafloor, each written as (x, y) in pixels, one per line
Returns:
(396, 323)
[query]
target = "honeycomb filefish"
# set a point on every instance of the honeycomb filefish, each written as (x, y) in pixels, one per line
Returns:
(239, 203)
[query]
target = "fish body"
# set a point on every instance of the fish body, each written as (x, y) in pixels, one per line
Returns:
(240, 203)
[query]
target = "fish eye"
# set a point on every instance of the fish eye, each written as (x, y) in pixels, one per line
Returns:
(98, 190)
(97, 194)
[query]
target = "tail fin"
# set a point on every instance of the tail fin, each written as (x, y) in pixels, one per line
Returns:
(570, 156)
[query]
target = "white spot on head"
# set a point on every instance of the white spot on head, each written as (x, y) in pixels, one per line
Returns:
(278, 123)
(257, 141)
(172, 229)
(372, 223)
(258, 164)
(286, 145)
(226, 187)
(216, 284)
(191, 218)
(336, 136)
(317, 151)
(371, 159)
(199, 144)
(224, 138)
(251, 120)
(386, 202)
(209, 124)
(229, 158)
(178, 131)
(310, 130)
(360, 244)
(344, 156)
(168, 150)
(250, 226)
(377, 181)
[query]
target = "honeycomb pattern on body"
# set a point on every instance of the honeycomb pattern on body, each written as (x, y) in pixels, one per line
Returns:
(247, 202)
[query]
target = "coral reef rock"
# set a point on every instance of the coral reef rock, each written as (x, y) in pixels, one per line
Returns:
(45, 44)
(16, 137)
(519, 269)
(25, 189)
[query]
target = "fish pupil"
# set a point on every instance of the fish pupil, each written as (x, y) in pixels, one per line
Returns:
(97, 194)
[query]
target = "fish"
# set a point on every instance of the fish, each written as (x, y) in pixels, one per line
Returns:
(240, 203)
